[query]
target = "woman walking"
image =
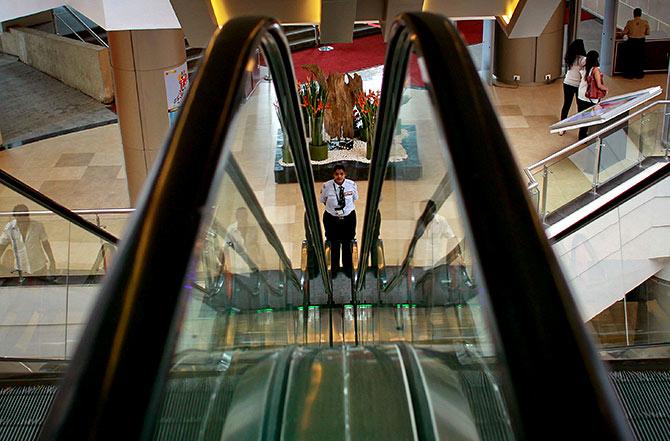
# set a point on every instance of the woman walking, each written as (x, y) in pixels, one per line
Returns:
(575, 59)
(592, 68)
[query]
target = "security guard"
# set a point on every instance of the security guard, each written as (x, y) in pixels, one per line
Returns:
(339, 219)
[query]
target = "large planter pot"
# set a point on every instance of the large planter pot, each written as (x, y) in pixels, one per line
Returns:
(287, 157)
(318, 152)
(316, 130)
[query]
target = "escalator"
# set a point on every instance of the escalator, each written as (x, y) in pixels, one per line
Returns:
(217, 321)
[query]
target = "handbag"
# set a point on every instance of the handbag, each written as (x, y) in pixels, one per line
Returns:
(592, 90)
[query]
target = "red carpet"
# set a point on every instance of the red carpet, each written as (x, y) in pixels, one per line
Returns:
(366, 52)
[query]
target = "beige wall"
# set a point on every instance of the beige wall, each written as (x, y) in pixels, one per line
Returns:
(83, 66)
(9, 43)
(533, 57)
(139, 61)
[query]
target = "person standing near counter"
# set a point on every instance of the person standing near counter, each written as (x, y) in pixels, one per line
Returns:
(339, 219)
(636, 30)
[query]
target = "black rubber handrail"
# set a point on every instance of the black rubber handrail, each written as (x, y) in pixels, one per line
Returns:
(115, 379)
(539, 331)
(40, 198)
(284, 75)
(615, 202)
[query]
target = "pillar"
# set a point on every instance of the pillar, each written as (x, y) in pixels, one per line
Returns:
(531, 58)
(140, 60)
(608, 36)
(488, 47)
(574, 19)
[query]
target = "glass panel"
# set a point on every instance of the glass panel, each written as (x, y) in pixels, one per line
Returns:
(242, 292)
(570, 177)
(620, 151)
(50, 274)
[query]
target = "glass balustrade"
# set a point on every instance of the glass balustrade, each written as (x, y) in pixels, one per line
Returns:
(245, 287)
(50, 275)
(628, 145)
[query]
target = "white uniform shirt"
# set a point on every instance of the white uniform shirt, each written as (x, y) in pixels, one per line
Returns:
(432, 247)
(574, 75)
(329, 193)
(234, 243)
(28, 252)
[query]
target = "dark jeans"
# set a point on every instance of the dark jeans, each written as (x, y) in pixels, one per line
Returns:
(583, 105)
(340, 232)
(634, 58)
(569, 93)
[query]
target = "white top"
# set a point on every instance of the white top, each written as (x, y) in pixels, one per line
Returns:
(432, 247)
(574, 75)
(329, 196)
(29, 256)
(234, 242)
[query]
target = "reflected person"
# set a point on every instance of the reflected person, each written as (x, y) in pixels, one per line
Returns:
(28, 239)
(339, 219)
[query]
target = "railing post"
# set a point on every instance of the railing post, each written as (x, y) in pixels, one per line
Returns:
(304, 285)
(596, 165)
(354, 274)
(545, 184)
(640, 146)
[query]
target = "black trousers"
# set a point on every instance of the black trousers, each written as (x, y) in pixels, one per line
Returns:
(569, 93)
(340, 232)
(583, 105)
(634, 58)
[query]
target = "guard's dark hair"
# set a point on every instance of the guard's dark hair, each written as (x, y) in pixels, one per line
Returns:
(574, 49)
(592, 61)
(637, 12)
(337, 167)
(20, 208)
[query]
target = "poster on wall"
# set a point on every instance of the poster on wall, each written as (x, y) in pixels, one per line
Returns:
(176, 86)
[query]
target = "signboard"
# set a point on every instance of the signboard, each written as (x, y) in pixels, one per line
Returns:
(176, 85)
(605, 110)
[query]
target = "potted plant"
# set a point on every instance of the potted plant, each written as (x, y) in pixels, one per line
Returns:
(366, 106)
(314, 98)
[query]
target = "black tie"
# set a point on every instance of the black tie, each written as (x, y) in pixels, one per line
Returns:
(340, 198)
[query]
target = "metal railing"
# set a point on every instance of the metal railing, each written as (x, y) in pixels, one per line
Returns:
(88, 29)
(598, 139)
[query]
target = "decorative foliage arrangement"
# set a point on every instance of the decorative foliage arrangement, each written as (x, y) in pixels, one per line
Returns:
(313, 97)
(366, 108)
(338, 103)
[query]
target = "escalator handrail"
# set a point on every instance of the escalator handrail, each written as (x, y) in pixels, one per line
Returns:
(556, 235)
(125, 351)
(40, 198)
(284, 76)
(537, 328)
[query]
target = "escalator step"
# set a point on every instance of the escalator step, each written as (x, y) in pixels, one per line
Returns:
(23, 410)
(645, 396)
(486, 406)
